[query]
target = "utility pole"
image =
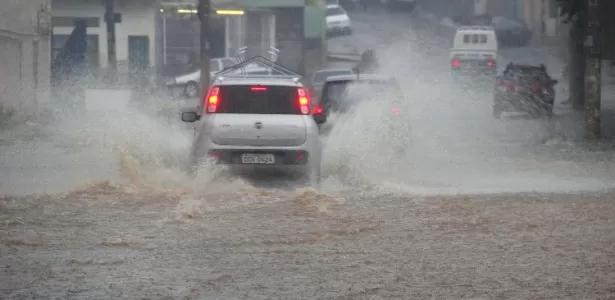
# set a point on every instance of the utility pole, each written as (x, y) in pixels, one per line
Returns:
(593, 72)
(110, 20)
(204, 11)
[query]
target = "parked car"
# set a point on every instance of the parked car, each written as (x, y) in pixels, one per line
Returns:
(338, 21)
(319, 78)
(511, 32)
(257, 122)
(190, 83)
(474, 51)
(524, 88)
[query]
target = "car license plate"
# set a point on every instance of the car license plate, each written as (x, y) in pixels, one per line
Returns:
(260, 159)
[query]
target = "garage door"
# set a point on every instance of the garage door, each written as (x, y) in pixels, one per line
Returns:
(10, 72)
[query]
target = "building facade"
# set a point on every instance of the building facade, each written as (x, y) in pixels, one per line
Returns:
(24, 55)
(294, 27)
(541, 16)
(136, 33)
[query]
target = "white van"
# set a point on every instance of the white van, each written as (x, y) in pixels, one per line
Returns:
(474, 51)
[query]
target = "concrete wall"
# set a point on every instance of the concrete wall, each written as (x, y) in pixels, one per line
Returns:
(24, 56)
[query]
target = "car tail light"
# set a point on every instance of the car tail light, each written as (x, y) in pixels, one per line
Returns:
(456, 63)
(303, 100)
(396, 111)
(318, 110)
(258, 88)
(300, 157)
(490, 63)
(215, 155)
(213, 100)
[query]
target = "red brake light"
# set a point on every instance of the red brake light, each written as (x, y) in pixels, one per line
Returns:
(258, 88)
(490, 63)
(456, 63)
(212, 100)
(318, 110)
(303, 100)
(396, 111)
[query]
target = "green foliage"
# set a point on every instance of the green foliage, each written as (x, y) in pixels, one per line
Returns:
(571, 8)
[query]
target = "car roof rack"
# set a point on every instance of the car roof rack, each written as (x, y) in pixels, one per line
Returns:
(475, 27)
(241, 69)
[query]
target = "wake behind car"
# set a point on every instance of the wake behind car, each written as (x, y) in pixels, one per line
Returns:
(524, 88)
(320, 76)
(258, 121)
(371, 100)
(474, 51)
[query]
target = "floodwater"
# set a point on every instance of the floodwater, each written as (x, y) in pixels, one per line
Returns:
(99, 204)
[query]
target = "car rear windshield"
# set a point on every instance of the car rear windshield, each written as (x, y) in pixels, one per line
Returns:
(343, 95)
(474, 38)
(335, 11)
(258, 99)
(526, 73)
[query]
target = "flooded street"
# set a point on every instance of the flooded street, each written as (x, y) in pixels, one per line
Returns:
(105, 241)
(100, 206)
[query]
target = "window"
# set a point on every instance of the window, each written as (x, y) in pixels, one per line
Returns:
(241, 99)
(475, 39)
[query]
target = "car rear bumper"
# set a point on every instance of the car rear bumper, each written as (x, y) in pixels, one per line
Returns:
(472, 71)
(282, 158)
(518, 102)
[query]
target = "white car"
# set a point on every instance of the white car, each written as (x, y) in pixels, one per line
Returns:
(191, 82)
(257, 122)
(338, 21)
(474, 51)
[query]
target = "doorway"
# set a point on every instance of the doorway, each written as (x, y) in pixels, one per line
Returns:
(138, 53)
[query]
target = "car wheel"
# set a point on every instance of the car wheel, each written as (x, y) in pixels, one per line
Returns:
(191, 89)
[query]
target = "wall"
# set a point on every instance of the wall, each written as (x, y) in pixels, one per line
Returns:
(24, 56)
